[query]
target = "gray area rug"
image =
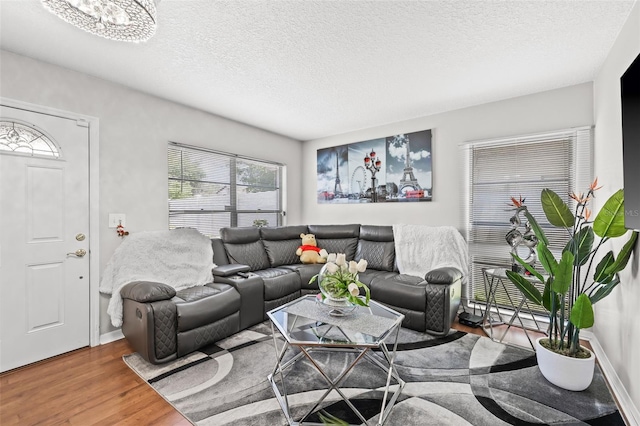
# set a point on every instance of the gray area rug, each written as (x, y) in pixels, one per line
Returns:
(460, 379)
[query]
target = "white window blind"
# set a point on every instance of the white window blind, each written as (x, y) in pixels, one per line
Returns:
(519, 167)
(209, 190)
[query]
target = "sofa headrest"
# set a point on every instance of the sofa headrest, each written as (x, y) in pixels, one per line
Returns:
(240, 235)
(376, 233)
(280, 233)
(334, 231)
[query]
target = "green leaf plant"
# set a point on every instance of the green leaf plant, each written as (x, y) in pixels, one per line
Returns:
(580, 278)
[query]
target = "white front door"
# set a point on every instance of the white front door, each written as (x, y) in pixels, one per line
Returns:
(44, 237)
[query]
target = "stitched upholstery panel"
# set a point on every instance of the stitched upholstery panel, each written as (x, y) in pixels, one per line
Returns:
(436, 299)
(337, 238)
(251, 254)
(379, 255)
(192, 340)
(164, 328)
(208, 306)
(196, 293)
(347, 246)
(282, 252)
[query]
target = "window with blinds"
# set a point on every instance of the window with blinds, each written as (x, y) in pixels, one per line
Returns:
(519, 167)
(209, 190)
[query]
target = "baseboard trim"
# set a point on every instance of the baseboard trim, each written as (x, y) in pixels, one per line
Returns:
(617, 387)
(111, 336)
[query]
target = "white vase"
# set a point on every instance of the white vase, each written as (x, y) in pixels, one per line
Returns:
(574, 374)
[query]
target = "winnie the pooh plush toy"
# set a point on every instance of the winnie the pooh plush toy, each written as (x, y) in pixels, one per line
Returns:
(309, 251)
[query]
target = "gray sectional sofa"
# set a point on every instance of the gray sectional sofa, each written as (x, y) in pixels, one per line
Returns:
(257, 270)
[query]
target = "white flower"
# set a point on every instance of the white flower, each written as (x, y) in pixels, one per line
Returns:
(353, 267)
(341, 259)
(362, 265)
(331, 257)
(332, 267)
(353, 289)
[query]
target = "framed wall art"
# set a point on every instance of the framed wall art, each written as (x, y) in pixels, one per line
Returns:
(392, 169)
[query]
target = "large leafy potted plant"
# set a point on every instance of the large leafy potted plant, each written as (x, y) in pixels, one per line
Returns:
(575, 282)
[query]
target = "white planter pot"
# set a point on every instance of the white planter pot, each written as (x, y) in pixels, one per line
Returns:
(574, 374)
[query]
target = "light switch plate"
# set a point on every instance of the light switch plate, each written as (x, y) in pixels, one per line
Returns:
(116, 219)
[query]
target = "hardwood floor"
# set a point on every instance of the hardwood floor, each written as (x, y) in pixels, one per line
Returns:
(93, 386)
(90, 386)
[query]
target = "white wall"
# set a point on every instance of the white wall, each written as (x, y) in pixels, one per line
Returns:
(617, 327)
(546, 111)
(134, 131)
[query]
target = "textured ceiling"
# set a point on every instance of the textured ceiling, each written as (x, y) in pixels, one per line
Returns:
(309, 69)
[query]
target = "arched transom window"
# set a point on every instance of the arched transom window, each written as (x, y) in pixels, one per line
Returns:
(23, 139)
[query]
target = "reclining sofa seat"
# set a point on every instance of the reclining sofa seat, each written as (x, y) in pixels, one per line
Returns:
(244, 246)
(162, 324)
(257, 270)
(269, 255)
(429, 303)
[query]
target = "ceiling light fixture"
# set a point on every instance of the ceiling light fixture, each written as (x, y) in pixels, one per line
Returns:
(121, 20)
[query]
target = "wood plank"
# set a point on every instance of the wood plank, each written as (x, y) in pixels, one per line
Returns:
(87, 386)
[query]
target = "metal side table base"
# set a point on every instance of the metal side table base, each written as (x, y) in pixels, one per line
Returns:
(493, 278)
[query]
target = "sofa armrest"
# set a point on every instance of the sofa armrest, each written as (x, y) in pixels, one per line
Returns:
(228, 270)
(147, 291)
(446, 275)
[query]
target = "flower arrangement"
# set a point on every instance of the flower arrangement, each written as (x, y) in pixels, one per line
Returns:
(339, 279)
(572, 281)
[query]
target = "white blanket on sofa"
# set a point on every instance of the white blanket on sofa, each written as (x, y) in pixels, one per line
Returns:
(181, 258)
(421, 248)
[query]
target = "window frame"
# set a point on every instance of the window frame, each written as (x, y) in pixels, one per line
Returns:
(232, 209)
(495, 253)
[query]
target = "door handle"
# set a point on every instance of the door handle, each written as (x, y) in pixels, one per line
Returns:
(78, 253)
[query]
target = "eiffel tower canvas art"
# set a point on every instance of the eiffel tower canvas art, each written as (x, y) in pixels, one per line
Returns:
(332, 168)
(395, 168)
(409, 165)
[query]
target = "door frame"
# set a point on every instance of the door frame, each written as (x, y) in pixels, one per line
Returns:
(93, 123)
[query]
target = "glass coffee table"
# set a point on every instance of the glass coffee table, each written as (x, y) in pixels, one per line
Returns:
(308, 328)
